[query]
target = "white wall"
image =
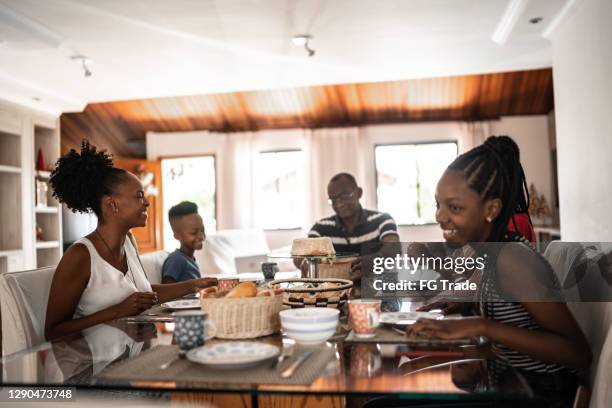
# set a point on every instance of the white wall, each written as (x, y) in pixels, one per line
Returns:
(531, 135)
(530, 132)
(582, 57)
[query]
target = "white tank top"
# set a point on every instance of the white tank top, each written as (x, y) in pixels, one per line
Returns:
(108, 285)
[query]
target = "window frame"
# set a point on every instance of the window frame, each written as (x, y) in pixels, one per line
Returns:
(190, 156)
(289, 150)
(428, 142)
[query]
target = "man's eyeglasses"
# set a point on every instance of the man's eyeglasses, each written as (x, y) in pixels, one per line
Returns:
(341, 198)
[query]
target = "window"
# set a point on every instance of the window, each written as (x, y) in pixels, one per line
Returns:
(406, 177)
(279, 189)
(189, 179)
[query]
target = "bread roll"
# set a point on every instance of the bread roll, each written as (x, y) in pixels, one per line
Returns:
(244, 289)
(265, 292)
(209, 292)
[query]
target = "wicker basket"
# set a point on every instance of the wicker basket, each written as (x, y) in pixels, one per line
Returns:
(296, 295)
(244, 318)
(335, 268)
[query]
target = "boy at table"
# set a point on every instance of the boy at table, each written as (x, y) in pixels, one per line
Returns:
(188, 229)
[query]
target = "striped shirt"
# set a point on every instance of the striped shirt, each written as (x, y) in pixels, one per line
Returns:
(371, 229)
(494, 306)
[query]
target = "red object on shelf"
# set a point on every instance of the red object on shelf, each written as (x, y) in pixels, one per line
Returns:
(40, 160)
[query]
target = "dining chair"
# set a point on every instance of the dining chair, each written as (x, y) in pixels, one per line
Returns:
(23, 298)
(577, 262)
(16, 327)
(601, 395)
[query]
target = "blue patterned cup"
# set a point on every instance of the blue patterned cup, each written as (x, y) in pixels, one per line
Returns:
(190, 328)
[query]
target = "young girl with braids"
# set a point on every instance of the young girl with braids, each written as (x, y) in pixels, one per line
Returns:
(530, 328)
(100, 277)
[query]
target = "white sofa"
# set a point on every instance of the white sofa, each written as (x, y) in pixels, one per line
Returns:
(227, 252)
(218, 257)
(152, 263)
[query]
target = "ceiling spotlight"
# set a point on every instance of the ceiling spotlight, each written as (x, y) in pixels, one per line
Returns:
(536, 20)
(85, 63)
(303, 39)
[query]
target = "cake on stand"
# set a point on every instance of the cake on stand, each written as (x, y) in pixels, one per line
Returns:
(313, 261)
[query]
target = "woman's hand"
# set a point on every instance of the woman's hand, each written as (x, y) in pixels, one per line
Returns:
(135, 304)
(448, 329)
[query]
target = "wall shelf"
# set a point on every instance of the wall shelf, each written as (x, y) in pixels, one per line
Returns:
(42, 175)
(47, 244)
(47, 210)
(10, 253)
(10, 169)
(29, 133)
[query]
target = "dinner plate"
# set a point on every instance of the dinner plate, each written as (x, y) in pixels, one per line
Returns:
(183, 304)
(407, 318)
(233, 354)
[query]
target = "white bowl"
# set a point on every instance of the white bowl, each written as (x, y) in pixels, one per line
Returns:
(309, 325)
(308, 338)
(310, 315)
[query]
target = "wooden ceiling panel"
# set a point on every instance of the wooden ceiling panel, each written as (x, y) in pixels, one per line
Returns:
(119, 126)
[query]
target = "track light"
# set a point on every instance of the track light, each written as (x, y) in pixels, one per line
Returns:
(303, 39)
(85, 63)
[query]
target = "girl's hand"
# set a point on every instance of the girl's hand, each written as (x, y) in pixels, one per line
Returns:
(135, 304)
(448, 329)
(446, 307)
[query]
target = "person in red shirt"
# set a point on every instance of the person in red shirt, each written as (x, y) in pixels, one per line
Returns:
(521, 223)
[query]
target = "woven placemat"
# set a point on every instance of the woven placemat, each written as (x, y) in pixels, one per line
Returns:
(145, 367)
(386, 334)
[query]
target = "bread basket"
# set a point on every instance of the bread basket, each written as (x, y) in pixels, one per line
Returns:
(244, 318)
(306, 292)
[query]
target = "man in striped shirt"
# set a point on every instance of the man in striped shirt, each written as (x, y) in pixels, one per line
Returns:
(355, 229)
(353, 226)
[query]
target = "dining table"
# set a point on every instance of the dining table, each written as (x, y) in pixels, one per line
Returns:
(355, 371)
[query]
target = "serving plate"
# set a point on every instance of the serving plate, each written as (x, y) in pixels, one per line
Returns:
(233, 354)
(183, 304)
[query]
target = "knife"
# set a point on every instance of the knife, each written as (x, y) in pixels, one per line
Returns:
(289, 371)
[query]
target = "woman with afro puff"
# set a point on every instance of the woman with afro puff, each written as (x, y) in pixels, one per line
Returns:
(100, 277)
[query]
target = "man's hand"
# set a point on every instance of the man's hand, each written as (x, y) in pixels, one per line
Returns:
(355, 275)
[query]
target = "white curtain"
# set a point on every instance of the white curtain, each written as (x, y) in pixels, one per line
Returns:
(328, 152)
(236, 187)
(474, 134)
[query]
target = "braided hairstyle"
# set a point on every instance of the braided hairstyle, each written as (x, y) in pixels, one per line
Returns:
(494, 170)
(81, 180)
